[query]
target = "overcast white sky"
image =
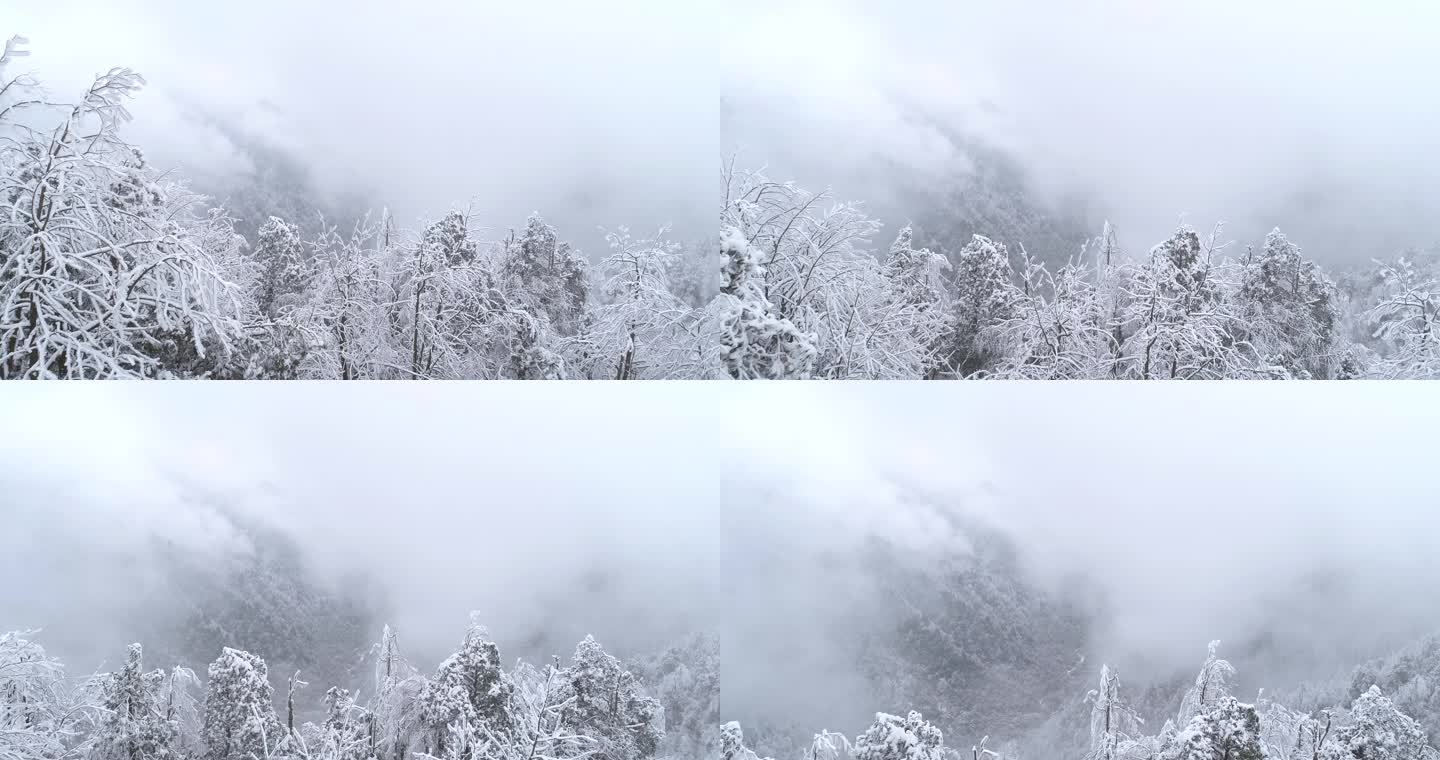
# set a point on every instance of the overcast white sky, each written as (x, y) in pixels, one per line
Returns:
(593, 114)
(1314, 116)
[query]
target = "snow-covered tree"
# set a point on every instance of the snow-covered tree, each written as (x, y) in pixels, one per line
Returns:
(642, 330)
(1407, 321)
(610, 705)
(135, 725)
(542, 729)
(829, 745)
(470, 690)
(280, 257)
(755, 343)
(348, 732)
(1056, 327)
(551, 276)
(800, 276)
(1288, 734)
(240, 721)
(1178, 327)
(891, 737)
(41, 715)
(1212, 684)
(531, 357)
(982, 296)
(1224, 730)
(341, 330)
(182, 709)
(732, 743)
(1287, 308)
(1378, 731)
(916, 291)
(1114, 726)
(395, 704)
(102, 263)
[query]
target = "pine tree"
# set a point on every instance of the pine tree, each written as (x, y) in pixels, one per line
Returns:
(1180, 329)
(1224, 730)
(550, 274)
(732, 743)
(611, 706)
(912, 277)
(240, 721)
(891, 737)
(913, 273)
(982, 297)
(135, 726)
(1379, 731)
(469, 687)
(448, 241)
(1288, 308)
(281, 258)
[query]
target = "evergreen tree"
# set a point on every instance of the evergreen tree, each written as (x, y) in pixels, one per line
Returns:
(611, 706)
(982, 297)
(912, 277)
(732, 743)
(280, 257)
(1378, 731)
(1288, 308)
(1178, 326)
(891, 737)
(550, 274)
(1225, 730)
(135, 726)
(240, 721)
(469, 687)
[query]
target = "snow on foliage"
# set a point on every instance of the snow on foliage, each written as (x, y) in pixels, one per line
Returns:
(112, 269)
(891, 737)
(105, 267)
(473, 709)
(240, 720)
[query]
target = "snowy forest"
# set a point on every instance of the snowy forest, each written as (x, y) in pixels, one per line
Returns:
(1210, 724)
(113, 268)
(472, 708)
(110, 268)
(668, 706)
(814, 292)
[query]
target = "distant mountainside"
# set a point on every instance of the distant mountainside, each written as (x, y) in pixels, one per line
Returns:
(268, 602)
(978, 188)
(975, 646)
(997, 199)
